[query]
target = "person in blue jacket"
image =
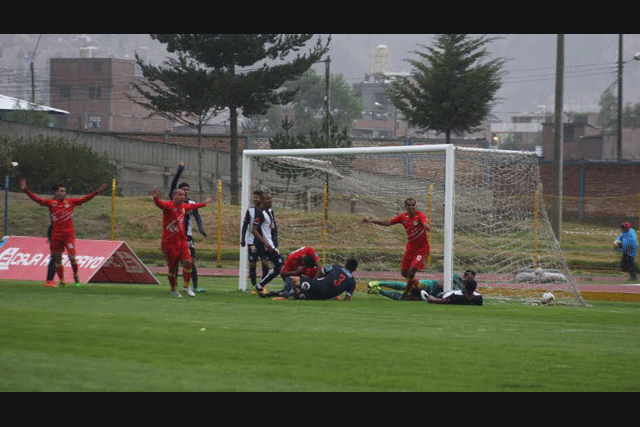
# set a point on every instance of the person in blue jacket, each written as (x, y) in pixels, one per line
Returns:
(629, 247)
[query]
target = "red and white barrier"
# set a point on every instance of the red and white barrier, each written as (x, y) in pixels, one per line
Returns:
(27, 258)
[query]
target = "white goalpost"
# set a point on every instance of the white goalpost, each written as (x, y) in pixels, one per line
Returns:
(485, 207)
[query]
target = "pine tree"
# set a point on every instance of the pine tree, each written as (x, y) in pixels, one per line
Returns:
(452, 87)
(249, 71)
(181, 91)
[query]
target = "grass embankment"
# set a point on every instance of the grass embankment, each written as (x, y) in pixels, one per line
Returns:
(138, 222)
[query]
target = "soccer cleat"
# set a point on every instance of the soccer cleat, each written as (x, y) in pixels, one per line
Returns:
(63, 283)
(77, 280)
(50, 284)
(200, 291)
(189, 292)
(176, 294)
(373, 287)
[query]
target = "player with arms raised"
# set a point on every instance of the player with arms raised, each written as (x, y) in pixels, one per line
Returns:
(417, 250)
(63, 233)
(174, 238)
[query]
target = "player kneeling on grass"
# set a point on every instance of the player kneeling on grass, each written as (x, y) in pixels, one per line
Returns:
(466, 296)
(336, 280)
(174, 238)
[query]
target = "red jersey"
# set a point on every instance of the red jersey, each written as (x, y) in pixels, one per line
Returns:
(61, 212)
(173, 218)
(294, 260)
(414, 226)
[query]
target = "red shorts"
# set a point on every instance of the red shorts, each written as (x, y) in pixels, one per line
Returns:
(175, 251)
(415, 257)
(62, 242)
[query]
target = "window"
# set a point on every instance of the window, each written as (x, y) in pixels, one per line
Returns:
(94, 121)
(65, 92)
(95, 92)
(95, 66)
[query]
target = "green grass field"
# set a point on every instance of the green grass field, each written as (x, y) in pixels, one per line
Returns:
(116, 337)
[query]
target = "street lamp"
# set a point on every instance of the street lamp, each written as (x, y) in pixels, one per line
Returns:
(6, 199)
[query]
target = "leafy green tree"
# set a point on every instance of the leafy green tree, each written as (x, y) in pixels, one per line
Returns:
(309, 103)
(631, 115)
(513, 141)
(453, 85)
(183, 91)
(288, 140)
(608, 114)
(29, 117)
(250, 71)
(47, 161)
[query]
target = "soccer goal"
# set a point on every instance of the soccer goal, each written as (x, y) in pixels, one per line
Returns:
(485, 207)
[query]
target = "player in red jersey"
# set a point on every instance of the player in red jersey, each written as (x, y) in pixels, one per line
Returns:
(63, 233)
(174, 238)
(303, 261)
(417, 250)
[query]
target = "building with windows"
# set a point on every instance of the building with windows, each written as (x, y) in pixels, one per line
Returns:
(96, 92)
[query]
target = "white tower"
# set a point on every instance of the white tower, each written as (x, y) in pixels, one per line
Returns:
(380, 60)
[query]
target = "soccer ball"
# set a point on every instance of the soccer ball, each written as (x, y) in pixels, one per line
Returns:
(547, 298)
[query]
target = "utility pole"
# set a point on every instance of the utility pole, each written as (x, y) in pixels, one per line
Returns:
(558, 154)
(33, 80)
(327, 67)
(619, 133)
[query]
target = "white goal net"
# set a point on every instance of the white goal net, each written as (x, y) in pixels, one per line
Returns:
(485, 208)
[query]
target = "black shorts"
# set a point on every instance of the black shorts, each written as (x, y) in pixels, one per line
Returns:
(256, 252)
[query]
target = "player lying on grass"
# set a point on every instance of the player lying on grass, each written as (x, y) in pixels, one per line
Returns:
(174, 238)
(63, 233)
(337, 279)
(466, 296)
(432, 287)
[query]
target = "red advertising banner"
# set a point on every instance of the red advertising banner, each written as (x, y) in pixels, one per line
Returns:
(27, 258)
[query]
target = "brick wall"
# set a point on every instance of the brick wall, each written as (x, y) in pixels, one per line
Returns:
(610, 190)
